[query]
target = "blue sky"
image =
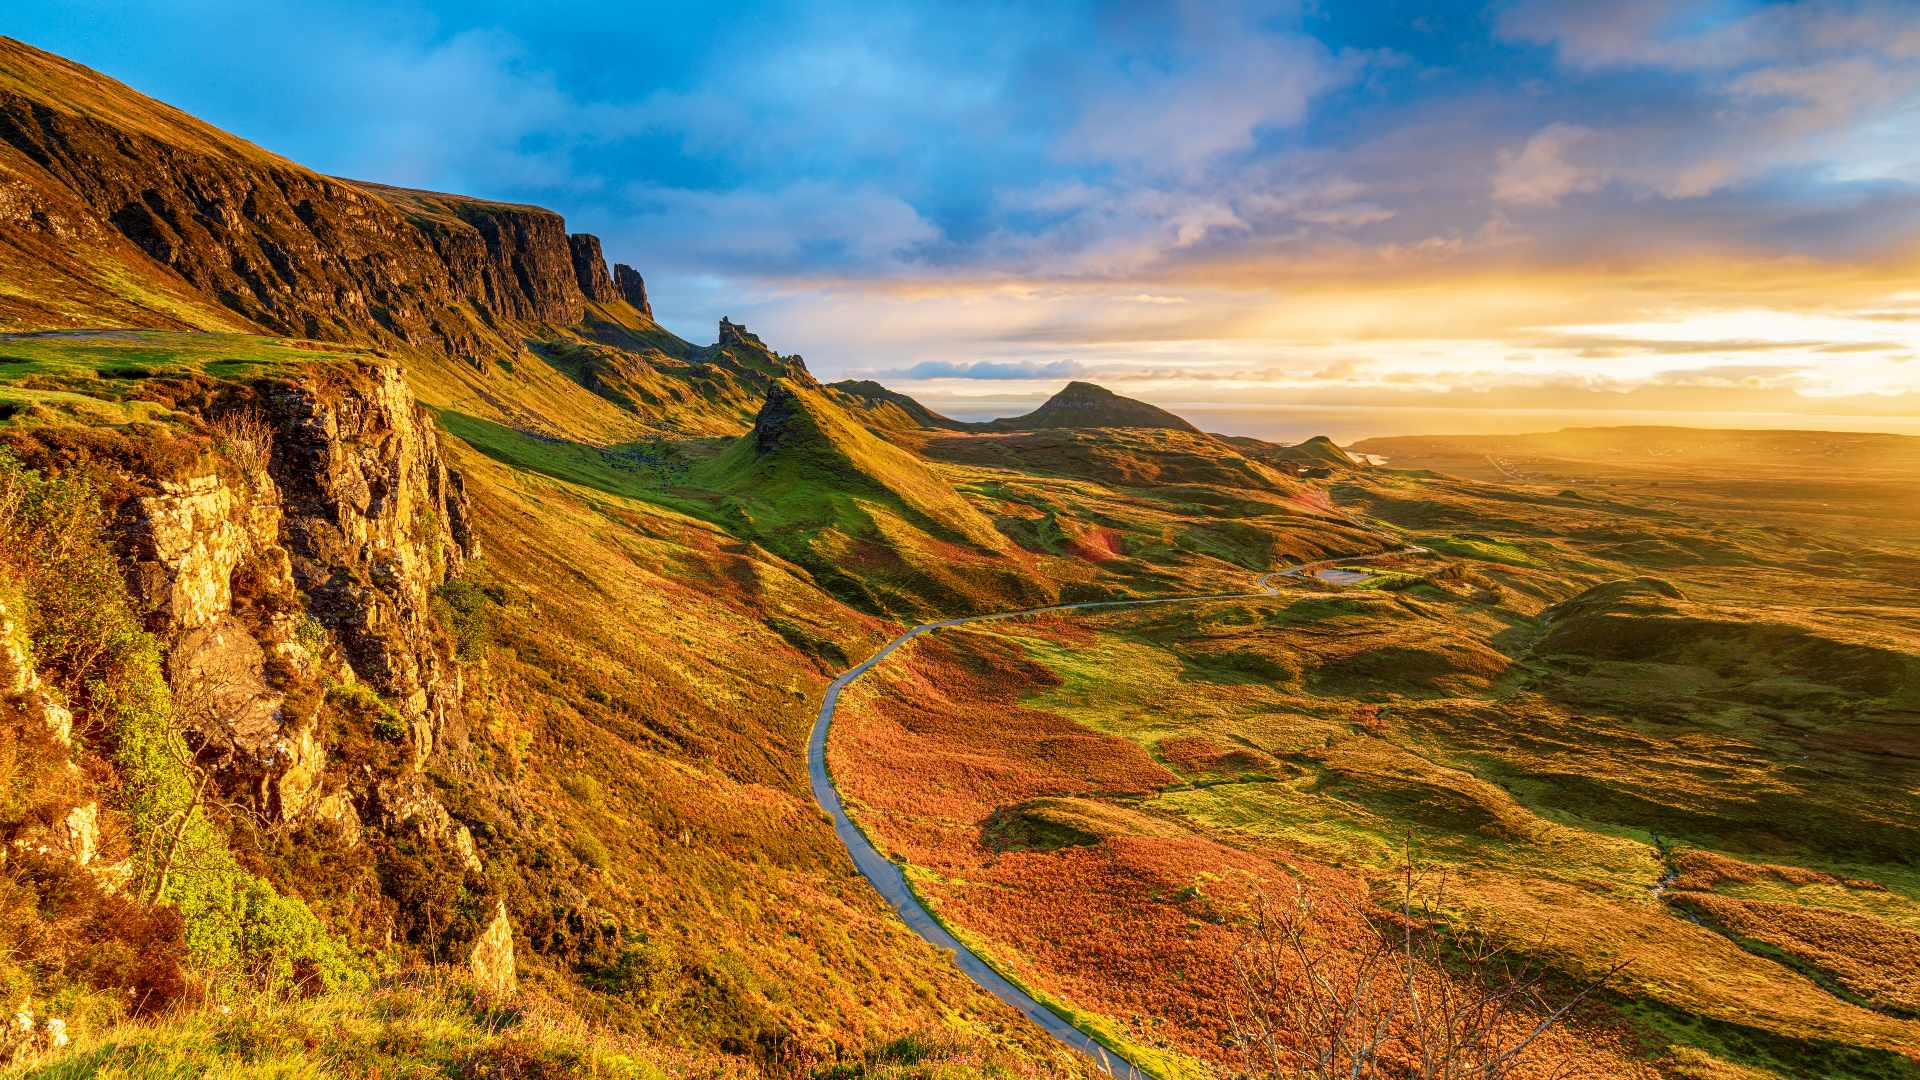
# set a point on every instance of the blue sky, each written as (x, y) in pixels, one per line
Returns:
(1636, 204)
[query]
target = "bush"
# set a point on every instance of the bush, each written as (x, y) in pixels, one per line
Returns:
(360, 704)
(466, 609)
(644, 973)
(440, 904)
(590, 850)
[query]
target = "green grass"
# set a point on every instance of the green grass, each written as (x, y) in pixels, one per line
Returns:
(124, 355)
(1476, 546)
(422, 1029)
(599, 468)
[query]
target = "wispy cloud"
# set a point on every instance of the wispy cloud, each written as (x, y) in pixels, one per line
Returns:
(1009, 370)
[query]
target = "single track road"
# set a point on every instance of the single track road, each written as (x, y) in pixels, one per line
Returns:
(890, 880)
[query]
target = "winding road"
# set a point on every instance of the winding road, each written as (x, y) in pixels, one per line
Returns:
(891, 881)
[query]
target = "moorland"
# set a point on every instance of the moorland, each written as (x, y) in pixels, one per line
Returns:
(408, 649)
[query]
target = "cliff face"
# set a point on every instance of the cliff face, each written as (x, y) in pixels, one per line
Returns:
(633, 288)
(167, 222)
(287, 550)
(590, 269)
(267, 587)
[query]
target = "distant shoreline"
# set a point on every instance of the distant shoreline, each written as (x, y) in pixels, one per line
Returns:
(1347, 424)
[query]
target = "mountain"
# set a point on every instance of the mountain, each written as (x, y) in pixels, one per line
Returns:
(890, 408)
(1084, 405)
(157, 219)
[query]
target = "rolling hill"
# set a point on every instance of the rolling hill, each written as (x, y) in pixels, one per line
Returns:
(408, 650)
(1084, 405)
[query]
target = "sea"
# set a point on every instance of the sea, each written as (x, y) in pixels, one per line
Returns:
(1348, 424)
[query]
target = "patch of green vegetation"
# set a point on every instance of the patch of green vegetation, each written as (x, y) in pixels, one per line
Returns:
(1761, 1049)
(810, 642)
(359, 703)
(88, 356)
(593, 467)
(425, 1030)
(1477, 546)
(1037, 827)
(466, 607)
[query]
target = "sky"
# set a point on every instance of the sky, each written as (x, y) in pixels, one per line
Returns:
(1533, 208)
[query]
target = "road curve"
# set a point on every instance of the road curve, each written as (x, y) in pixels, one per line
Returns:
(891, 881)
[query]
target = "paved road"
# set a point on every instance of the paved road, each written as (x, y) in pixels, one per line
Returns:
(891, 881)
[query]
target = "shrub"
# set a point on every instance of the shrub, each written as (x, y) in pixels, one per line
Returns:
(466, 609)
(440, 904)
(246, 438)
(590, 850)
(644, 973)
(360, 704)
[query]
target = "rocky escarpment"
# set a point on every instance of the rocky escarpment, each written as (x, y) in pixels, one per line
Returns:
(632, 288)
(307, 562)
(293, 711)
(590, 268)
(130, 210)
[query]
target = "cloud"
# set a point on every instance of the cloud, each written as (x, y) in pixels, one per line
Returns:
(1240, 191)
(1182, 85)
(1705, 35)
(807, 224)
(993, 369)
(1539, 174)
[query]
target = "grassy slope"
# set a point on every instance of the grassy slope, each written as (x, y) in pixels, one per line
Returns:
(643, 695)
(1555, 771)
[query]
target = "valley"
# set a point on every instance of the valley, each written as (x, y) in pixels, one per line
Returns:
(416, 660)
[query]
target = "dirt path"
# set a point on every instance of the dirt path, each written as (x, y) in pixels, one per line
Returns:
(890, 880)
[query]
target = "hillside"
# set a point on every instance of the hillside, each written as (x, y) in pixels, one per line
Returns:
(1318, 452)
(891, 409)
(812, 484)
(1084, 405)
(409, 651)
(1609, 730)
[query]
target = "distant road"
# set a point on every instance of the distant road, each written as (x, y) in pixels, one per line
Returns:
(891, 882)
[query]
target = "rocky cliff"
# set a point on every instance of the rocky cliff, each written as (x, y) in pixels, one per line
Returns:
(306, 562)
(633, 288)
(590, 269)
(286, 554)
(131, 210)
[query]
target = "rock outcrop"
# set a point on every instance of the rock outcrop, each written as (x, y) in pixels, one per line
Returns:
(590, 268)
(492, 956)
(316, 570)
(633, 288)
(733, 333)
